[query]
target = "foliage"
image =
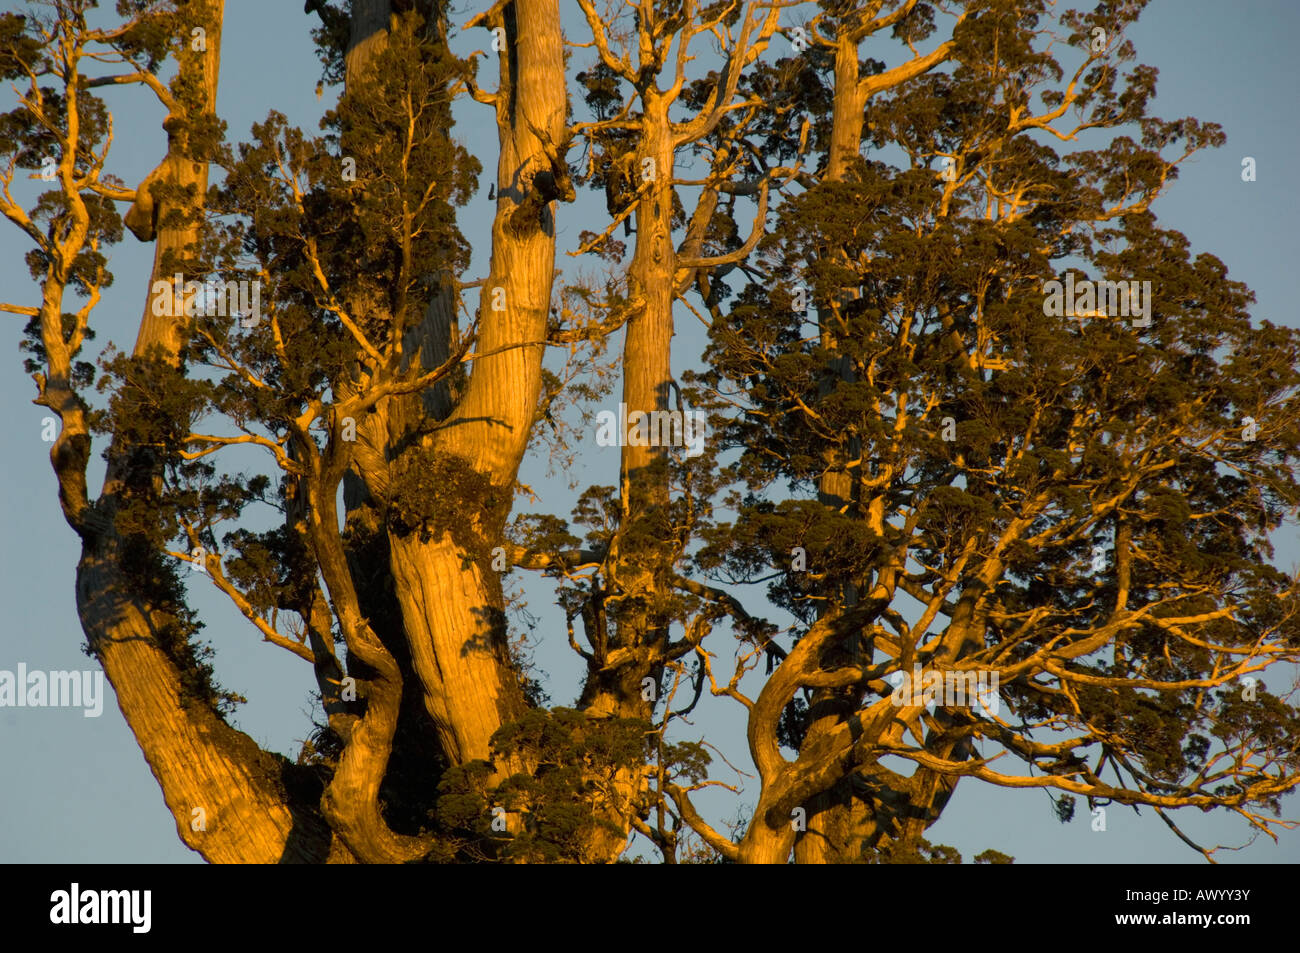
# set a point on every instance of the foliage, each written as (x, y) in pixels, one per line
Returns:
(921, 461)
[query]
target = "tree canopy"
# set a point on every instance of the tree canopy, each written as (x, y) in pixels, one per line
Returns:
(977, 477)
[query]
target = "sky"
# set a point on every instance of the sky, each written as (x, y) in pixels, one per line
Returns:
(77, 789)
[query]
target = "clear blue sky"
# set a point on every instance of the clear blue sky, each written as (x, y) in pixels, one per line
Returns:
(78, 790)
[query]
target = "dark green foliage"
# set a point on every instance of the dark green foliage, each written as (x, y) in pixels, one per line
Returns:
(577, 756)
(793, 726)
(557, 807)
(433, 495)
(912, 298)
(922, 852)
(1063, 805)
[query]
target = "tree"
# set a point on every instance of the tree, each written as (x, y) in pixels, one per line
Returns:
(1065, 498)
(1023, 511)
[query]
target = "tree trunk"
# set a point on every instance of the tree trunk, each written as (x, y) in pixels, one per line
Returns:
(451, 599)
(227, 795)
(847, 110)
(640, 627)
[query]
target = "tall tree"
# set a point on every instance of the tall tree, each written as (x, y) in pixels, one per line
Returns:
(327, 417)
(1004, 450)
(1057, 499)
(128, 596)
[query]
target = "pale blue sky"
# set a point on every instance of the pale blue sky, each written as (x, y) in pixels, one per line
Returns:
(78, 790)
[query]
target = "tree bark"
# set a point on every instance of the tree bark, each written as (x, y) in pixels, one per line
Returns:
(451, 600)
(200, 762)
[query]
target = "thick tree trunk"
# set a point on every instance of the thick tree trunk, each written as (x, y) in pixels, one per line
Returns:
(766, 845)
(451, 600)
(227, 795)
(647, 376)
(453, 611)
(836, 816)
(847, 110)
(647, 349)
